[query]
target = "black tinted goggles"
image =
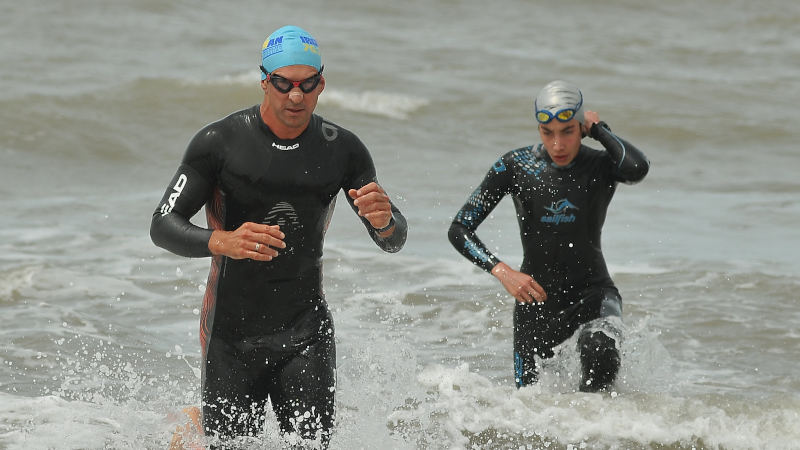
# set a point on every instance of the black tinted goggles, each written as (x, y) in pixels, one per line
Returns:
(284, 85)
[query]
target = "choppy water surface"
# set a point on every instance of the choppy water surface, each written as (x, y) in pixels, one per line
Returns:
(99, 345)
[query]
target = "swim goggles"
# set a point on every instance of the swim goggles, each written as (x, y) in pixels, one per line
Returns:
(563, 115)
(284, 85)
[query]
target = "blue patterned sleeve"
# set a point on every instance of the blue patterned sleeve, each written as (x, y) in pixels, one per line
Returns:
(479, 205)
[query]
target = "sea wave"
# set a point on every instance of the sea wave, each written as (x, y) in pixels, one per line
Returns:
(391, 105)
(381, 103)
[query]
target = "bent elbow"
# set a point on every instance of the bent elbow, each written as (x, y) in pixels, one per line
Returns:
(455, 234)
(156, 231)
(639, 172)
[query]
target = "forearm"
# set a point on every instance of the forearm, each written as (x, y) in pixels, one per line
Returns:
(177, 234)
(471, 247)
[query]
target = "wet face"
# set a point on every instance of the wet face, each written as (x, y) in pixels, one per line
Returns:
(562, 140)
(288, 114)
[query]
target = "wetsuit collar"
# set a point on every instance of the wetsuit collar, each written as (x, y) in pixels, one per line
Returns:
(284, 144)
(556, 166)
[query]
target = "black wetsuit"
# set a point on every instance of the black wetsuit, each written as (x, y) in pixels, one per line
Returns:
(560, 211)
(265, 328)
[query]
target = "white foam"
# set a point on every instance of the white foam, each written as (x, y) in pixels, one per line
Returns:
(471, 410)
(394, 106)
(53, 422)
(637, 269)
(16, 279)
(246, 78)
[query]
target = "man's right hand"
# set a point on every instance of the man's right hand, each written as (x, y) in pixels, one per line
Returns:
(520, 285)
(251, 240)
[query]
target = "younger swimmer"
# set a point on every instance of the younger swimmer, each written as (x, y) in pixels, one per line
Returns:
(561, 191)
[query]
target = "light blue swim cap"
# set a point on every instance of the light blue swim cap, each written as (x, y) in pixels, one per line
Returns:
(288, 46)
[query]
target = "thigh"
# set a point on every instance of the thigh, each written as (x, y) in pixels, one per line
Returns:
(232, 400)
(532, 330)
(303, 397)
(530, 339)
(608, 316)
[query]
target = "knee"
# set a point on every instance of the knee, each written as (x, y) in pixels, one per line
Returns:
(600, 360)
(596, 341)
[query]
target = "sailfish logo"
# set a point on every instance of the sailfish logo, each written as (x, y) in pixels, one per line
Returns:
(559, 212)
(561, 206)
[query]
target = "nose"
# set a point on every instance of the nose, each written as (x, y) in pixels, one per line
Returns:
(296, 96)
(558, 143)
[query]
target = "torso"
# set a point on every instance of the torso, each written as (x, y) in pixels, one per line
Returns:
(292, 183)
(561, 212)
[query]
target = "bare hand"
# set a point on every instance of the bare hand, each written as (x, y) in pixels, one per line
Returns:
(373, 204)
(520, 285)
(256, 241)
(589, 118)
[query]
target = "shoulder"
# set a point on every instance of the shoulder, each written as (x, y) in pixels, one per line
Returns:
(592, 153)
(593, 156)
(331, 132)
(339, 140)
(245, 118)
(595, 163)
(529, 153)
(211, 140)
(524, 159)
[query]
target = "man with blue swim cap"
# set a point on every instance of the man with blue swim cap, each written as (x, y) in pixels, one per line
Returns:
(561, 191)
(269, 176)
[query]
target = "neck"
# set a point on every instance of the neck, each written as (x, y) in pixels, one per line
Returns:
(280, 130)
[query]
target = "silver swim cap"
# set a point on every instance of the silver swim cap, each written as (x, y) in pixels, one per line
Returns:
(559, 99)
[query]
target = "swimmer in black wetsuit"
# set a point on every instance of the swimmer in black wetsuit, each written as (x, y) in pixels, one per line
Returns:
(269, 176)
(561, 191)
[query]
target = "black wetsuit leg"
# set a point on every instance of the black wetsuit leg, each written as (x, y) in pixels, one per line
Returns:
(537, 330)
(231, 405)
(529, 321)
(598, 343)
(304, 401)
(295, 368)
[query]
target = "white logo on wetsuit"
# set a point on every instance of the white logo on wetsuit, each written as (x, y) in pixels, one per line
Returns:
(329, 131)
(286, 147)
(166, 208)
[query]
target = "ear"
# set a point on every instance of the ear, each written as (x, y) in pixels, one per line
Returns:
(264, 84)
(321, 84)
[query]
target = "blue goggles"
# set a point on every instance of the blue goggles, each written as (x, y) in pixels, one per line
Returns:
(562, 115)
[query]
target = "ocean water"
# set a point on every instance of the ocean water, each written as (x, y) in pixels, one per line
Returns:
(99, 345)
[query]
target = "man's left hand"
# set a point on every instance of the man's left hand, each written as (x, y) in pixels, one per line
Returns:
(373, 204)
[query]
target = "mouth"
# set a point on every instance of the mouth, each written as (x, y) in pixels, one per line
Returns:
(560, 160)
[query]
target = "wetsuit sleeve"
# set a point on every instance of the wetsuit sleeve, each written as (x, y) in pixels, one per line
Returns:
(480, 204)
(630, 165)
(361, 173)
(189, 190)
